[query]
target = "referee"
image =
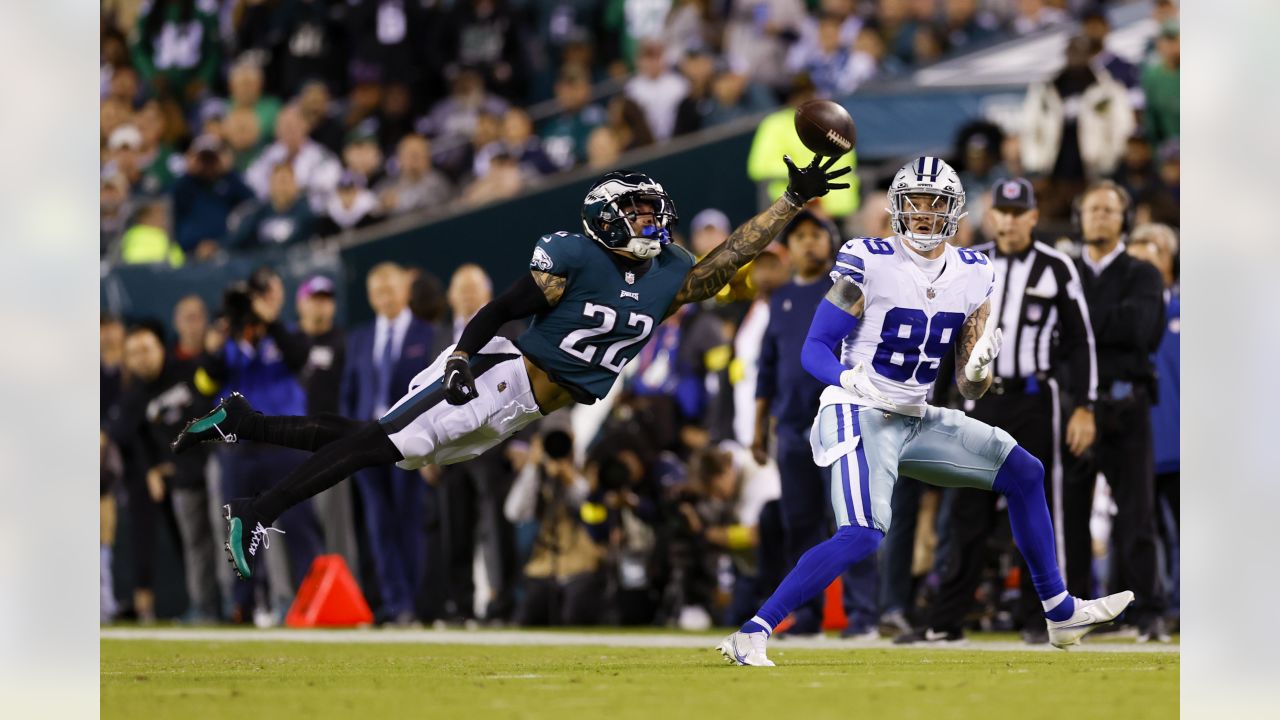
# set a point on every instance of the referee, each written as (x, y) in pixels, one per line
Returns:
(1039, 304)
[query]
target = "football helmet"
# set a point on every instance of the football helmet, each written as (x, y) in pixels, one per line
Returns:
(933, 177)
(611, 207)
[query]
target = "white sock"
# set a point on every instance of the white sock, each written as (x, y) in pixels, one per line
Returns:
(768, 629)
(1054, 601)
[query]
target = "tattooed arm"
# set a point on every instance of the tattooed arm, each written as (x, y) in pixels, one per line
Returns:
(970, 332)
(719, 266)
(552, 286)
(847, 296)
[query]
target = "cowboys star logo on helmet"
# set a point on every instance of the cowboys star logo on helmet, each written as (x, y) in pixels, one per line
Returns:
(615, 202)
(928, 187)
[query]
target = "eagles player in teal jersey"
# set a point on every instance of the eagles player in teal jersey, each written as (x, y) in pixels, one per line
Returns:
(594, 298)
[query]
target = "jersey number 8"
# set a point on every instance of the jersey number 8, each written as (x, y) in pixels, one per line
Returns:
(608, 318)
(937, 334)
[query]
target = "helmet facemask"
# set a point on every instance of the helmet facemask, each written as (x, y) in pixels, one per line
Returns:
(646, 242)
(941, 207)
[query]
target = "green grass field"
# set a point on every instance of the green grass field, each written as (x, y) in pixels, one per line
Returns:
(204, 679)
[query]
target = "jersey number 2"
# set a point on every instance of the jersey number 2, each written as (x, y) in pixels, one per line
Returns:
(608, 318)
(894, 344)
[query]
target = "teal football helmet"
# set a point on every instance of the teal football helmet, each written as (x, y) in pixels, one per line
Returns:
(612, 204)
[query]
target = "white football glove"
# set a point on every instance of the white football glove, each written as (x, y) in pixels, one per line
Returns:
(984, 352)
(857, 382)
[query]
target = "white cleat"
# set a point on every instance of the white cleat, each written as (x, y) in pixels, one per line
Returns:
(1089, 616)
(745, 649)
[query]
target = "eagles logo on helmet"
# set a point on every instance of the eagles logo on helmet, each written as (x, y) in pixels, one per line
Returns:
(612, 203)
(926, 176)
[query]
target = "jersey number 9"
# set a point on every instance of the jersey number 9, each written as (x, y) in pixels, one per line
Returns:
(937, 334)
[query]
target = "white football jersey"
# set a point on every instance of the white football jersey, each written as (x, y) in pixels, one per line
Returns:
(908, 323)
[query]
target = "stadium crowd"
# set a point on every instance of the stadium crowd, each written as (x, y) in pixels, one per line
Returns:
(234, 125)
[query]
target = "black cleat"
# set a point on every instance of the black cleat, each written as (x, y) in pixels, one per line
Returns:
(214, 426)
(929, 636)
(245, 534)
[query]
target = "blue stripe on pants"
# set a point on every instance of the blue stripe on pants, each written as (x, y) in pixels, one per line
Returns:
(863, 480)
(844, 467)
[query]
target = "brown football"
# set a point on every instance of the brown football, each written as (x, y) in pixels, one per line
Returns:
(825, 128)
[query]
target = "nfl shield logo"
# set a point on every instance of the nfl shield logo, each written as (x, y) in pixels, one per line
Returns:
(630, 277)
(931, 293)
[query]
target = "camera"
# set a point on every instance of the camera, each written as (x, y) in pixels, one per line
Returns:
(237, 307)
(557, 445)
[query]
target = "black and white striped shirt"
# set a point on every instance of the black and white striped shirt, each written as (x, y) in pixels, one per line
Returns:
(1038, 302)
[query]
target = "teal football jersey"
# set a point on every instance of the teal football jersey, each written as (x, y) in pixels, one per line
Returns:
(606, 314)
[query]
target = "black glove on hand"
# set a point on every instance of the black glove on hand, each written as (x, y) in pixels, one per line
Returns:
(459, 383)
(812, 180)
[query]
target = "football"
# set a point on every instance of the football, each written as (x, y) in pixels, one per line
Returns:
(825, 128)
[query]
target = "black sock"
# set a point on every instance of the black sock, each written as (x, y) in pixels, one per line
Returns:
(301, 432)
(366, 447)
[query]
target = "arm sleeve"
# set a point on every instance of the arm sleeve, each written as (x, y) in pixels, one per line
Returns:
(522, 299)
(829, 328)
(1077, 336)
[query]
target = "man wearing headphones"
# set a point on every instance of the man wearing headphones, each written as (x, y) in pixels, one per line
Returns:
(1126, 309)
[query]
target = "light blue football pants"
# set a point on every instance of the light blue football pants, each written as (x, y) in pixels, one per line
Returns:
(868, 448)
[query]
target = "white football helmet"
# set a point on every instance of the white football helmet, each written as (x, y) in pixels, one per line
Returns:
(926, 176)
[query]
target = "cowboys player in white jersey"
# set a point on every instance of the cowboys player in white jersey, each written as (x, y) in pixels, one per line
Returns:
(896, 306)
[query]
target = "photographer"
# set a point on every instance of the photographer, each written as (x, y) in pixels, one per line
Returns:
(204, 198)
(564, 576)
(623, 489)
(251, 352)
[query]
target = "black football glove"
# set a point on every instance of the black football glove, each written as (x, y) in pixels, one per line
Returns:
(812, 180)
(459, 383)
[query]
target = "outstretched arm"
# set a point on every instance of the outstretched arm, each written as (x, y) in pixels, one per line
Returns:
(719, 266)
(976, 349)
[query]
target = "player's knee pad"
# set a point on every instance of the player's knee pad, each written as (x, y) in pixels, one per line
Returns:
(1020, 470)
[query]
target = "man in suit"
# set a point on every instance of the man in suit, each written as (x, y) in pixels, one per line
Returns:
(382, 358)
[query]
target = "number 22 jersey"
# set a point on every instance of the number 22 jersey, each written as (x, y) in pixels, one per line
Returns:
(908, 321)
(606, 314)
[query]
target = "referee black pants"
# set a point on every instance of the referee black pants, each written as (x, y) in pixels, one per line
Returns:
(1123, 453)
(1032, 420)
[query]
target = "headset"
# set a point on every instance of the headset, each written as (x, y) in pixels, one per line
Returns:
(1126, 225)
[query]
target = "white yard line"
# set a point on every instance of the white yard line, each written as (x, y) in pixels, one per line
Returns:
(534, 637)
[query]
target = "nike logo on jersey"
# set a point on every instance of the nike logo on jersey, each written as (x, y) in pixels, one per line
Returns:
(632, 295)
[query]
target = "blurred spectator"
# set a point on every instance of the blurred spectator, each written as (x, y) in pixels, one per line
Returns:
(564, 578)
(175, 47)
(157, 407)
(315, 169)
(124, 86)
(390, 40)
(312, 43)
(628, 122)
(733, 95)
(114, 210)
(251, 352)
(190, 323)
(565, 135)
(350, 207)
(698, 68)
(603, 149)
(1161, 83)
(382, 358)
(928, 45)
(965, 23)
(113, 53)
(1034, 15)
(631, 25)
(148, 242)
(1158, 245)
(244, 84)
(485, 35)
(315, 103)
(895, 28)
(709, 228)
(243, 134)
(1137, 169)
(691, 26)
(977, 160)
(834, 67)
(284, 219)
(213, 112)
(776, 136)
(657, 90)
(1097, 27)
(1075, 126)
(394, 119)
(524, 146)
(503, 181)
(204, 197)
(362, 155)
(768, 273)
(757, 35)
(416, 185)
(470, 161)
(112, 114)
(143, 165)
(453, 120)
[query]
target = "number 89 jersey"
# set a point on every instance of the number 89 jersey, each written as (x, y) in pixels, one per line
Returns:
(908, 323)
(605, 315)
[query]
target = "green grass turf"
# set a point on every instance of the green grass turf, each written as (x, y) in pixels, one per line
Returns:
(194, 680)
